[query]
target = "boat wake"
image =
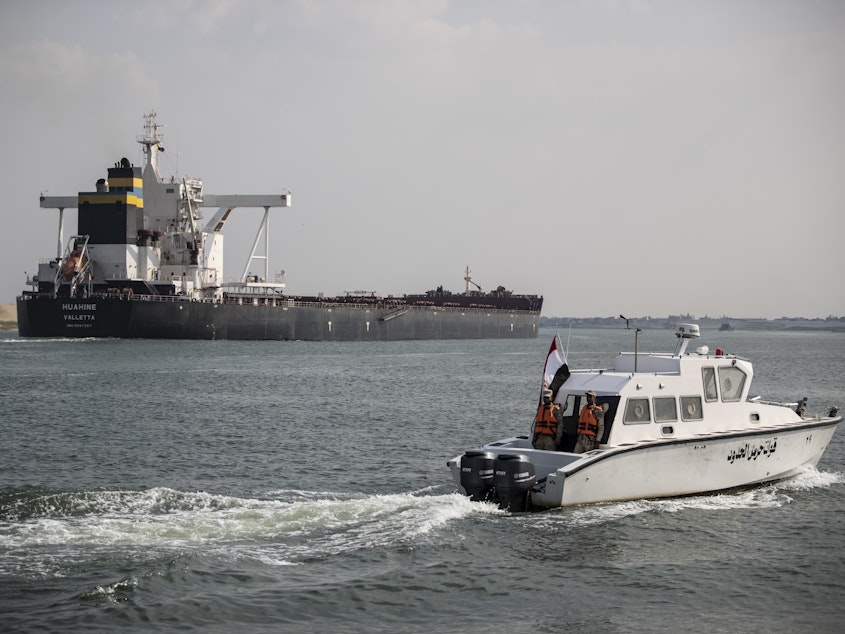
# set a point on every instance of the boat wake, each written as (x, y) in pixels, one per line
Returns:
(16, 340)
(287, 528)
(290, 527)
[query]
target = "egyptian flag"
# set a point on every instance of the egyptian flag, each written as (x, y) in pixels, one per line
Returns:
(556, 370)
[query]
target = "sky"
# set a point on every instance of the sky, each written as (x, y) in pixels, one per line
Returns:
(637, 157)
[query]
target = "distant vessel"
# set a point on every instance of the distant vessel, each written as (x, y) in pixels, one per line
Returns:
(143, 265)
(725, 327)
(674, 424)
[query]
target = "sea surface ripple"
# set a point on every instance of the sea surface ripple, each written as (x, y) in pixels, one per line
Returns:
(294, 486)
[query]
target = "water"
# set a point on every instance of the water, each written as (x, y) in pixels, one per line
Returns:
(302, 487)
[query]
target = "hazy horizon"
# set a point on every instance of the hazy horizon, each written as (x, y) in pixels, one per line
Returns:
(618, 156)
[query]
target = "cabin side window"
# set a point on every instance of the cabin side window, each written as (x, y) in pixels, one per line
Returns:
(731, 380)
(691, 408)
(637, 411)
(708, 374)
(567, 408)
(664, 409)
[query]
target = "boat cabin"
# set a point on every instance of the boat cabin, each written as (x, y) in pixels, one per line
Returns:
(650, 396)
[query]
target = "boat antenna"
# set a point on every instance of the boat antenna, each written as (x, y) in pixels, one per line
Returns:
(636, 340)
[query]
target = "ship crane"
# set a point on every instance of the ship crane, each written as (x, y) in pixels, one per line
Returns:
(468, 280)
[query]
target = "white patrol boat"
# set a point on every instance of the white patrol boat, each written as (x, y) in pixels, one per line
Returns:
(674, 424)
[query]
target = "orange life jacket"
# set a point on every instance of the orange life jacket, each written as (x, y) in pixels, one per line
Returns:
(546, 420)
(588, 424)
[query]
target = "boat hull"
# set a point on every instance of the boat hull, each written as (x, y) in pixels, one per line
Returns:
(670, 468)
(171, 318)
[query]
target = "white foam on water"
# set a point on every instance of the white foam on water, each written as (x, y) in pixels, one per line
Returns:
(113, 592)
(812, 478)
(772, 495)
(269, 559)
(371, 523)
(283, 531)
(51, 340)
(301, 525)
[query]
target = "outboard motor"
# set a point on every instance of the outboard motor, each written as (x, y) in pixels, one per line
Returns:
(477, 475)
(514, 476)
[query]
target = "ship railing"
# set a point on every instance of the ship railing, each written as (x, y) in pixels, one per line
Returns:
(284, 301)
(410, 307)
(254, 281)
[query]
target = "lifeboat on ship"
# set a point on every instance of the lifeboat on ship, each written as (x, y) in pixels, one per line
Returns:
(73, 264)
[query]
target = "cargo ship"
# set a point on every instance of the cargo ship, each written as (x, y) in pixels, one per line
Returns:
(144, 264)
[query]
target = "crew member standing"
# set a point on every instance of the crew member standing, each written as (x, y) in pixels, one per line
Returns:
(590, 425)
(547, 424)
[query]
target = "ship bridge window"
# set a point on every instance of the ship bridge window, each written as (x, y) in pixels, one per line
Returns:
(691, 408)
(664, 409)
(637, 411)
(708, 374)
(731, 380)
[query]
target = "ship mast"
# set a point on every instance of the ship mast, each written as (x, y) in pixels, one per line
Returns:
(468, 280)
(151, 140)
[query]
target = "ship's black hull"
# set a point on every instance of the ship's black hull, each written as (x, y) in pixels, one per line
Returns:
(144, 318)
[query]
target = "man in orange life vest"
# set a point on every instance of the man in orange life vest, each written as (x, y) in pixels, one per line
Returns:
(590, 425)
(547, 424)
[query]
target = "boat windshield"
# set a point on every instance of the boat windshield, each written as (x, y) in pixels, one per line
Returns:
(731, 380)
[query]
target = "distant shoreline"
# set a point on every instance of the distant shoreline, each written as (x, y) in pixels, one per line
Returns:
(726, 324)
(8, 317)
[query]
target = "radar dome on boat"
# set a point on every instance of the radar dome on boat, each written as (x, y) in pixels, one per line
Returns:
(688, 331)
(685, 333)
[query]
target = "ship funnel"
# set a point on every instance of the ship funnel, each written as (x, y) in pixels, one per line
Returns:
(102, 185)
(684, 333)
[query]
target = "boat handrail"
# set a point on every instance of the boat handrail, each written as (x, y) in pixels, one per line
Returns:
(621, 372)
(758, 401)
